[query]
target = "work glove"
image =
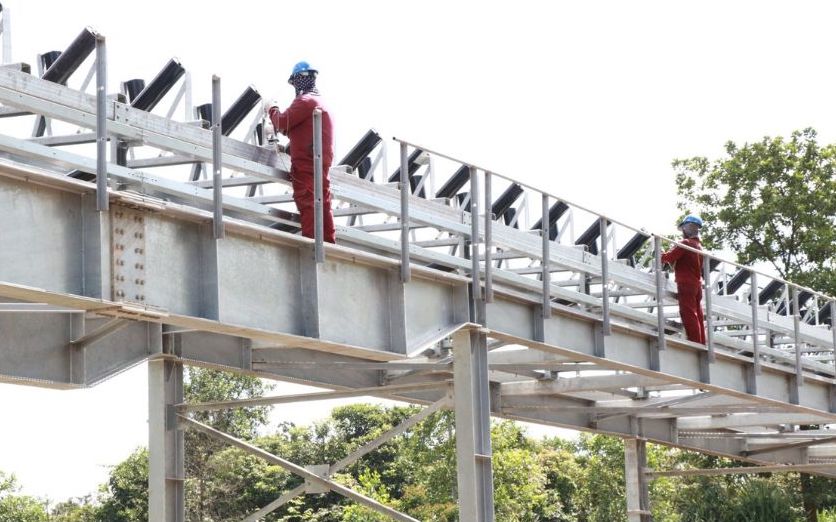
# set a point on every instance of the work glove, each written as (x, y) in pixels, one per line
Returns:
(267, 105)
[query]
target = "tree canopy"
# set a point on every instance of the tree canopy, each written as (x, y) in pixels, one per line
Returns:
(770, 201)
(548, 480)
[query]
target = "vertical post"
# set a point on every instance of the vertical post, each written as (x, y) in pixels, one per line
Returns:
(165, 443)
(655, 358)
(605, 276)
(319, 249)
(635, 461)
(7, 36)
(709, 322)
(796, 324)
(754, 295)
(102, 201)
(217, 184)
(473, 446)
(489, 217)
(547, 275)
(833, 329)
(484, 451)
(465, 441)
(660, 292)
(474, 234)
(188, 106)
(404, 186)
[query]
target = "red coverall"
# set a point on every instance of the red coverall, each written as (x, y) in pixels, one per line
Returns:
(688, 269)
(297, 124)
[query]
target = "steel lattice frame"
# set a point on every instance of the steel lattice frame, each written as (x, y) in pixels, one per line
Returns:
(526, 321)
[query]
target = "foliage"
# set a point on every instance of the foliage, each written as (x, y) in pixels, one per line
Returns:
(75, 510)
(564, 478)
(369, 484)
(760, 501)
(125, 496)
(206, 385)
(18, 508)
(551, 480)
(772, 201)
(601, 496)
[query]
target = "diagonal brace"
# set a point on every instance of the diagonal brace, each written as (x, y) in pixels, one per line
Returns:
(276, 504)
(387, 436)
(295, 469)
(354, 456)
(114, 325)
(316, 396)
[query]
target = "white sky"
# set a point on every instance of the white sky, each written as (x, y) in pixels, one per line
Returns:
(588, 100)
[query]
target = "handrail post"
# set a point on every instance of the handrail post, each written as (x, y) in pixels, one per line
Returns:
(474, 233)
(489, 217)
(796, 324)
(319, 249)
(404, 187)
(217, 184)
(833, 329)
(605, 275)
(755, 299)
(7, 35)
(660, 294)
(547, 275)
(709, 322)
(102, 200)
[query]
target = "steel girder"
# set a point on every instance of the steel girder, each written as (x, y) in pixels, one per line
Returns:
(201, 295)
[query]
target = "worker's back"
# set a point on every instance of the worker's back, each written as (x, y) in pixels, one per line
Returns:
(687, 264)
(297, 124)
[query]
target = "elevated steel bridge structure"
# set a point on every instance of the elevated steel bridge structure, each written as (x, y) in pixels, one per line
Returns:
(128, 236)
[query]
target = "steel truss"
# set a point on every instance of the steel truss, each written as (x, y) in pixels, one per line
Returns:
(106, 263)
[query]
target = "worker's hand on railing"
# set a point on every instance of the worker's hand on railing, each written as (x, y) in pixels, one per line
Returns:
(266, 105)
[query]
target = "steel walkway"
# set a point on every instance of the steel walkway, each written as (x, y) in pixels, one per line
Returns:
(451, 285)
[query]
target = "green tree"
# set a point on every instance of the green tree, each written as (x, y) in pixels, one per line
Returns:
(601, 496)
(74, 510)
(15, 507)
(762, 501)
(204, 385)
(211, 489)
(564, 477)
(125, 495)
(770, 201)
(520, 478)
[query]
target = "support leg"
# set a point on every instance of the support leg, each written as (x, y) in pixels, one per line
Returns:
(473, 443)
(166, 497)
(635, 460)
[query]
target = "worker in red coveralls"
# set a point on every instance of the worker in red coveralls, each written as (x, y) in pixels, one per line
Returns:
(297, 124)
(688, 268)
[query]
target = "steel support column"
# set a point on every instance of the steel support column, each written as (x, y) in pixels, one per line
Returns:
(473, 442)
(635, 460)
(166, 493)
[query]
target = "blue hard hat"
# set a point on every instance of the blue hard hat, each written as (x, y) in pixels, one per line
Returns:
(303, 67)
(691, 218)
